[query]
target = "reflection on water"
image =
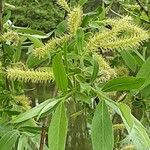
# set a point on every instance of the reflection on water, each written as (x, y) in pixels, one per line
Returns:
(78, 135)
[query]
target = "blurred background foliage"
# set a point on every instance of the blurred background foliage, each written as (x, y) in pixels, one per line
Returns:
(43, 15)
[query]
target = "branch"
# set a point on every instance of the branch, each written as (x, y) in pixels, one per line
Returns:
(142, 7)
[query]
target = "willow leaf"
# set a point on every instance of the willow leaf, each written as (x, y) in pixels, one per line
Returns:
(102, 134)
(58, 129)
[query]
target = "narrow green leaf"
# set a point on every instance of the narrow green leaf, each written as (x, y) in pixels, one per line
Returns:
(129, 60)
(102, 134)
(58, 129)
(60, 73)
(82, 2)
(135, 129)
(80, 39)
(37, 43)
(29, 31)
(61, 28)
(6, 18)
(95, 71)
(144, 70)
(17, 54)
(8, 140)
(34, 111)
(139, 136)
(123, 83)
(34, 61)
(47, 108)
(22, 143)
(126, 115)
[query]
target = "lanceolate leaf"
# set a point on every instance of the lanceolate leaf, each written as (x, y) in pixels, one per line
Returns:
(8, 140)
(22, 143)
(60, 73)
(126, 115)
(129, 60)
(135, 129)
(144, 70)
(123, 83)
(80, 39)
(102, 135)
(34, 61)
(95, 71)
(58, 129)
(35, 111)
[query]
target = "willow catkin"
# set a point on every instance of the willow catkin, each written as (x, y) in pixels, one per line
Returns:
(50, 46)
(33, 76)
(63, 4)
(115, 38)
(12, 37)
(74, 19)
(106, 71)
(23, 100)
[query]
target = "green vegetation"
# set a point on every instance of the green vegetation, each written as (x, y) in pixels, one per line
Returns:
(84, 85)
(41, 15)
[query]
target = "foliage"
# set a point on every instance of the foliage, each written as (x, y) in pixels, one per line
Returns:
(88, 81)
(40, 15)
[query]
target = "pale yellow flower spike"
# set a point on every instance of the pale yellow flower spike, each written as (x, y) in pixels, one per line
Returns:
(23, 100)
(63, 4)
(11, 36)
(128, 147)
(51, 45)
(118, 126)
(29, 75)
(107, 72)
(113, 39)
(75, 19)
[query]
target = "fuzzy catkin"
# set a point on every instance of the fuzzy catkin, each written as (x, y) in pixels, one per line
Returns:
(29, 75)
(11, 37)
(106, 72)
(50, 46)
(118, 126)
(23, 100)
(115, 38)
(128, 147)
(75, 19)
(63, 4)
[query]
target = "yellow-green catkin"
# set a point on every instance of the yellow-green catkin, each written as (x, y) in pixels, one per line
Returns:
(118, 126)
(132, 7)
(33, 76)
(50, 46)
(11, 37)
(122, 71)
(23, 100)
(106, 71)
(116, 37)
(128, 147)
(63, 4)
(75, 19)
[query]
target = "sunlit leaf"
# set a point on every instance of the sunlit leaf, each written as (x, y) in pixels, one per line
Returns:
(60, 73)
(102, 134)
(8, 140)
(58, 129)
(123, 83)
(34, 111)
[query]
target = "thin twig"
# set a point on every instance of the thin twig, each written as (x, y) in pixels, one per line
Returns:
(142, 7)
(1, 16)
(45, 122)
(43, 134)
